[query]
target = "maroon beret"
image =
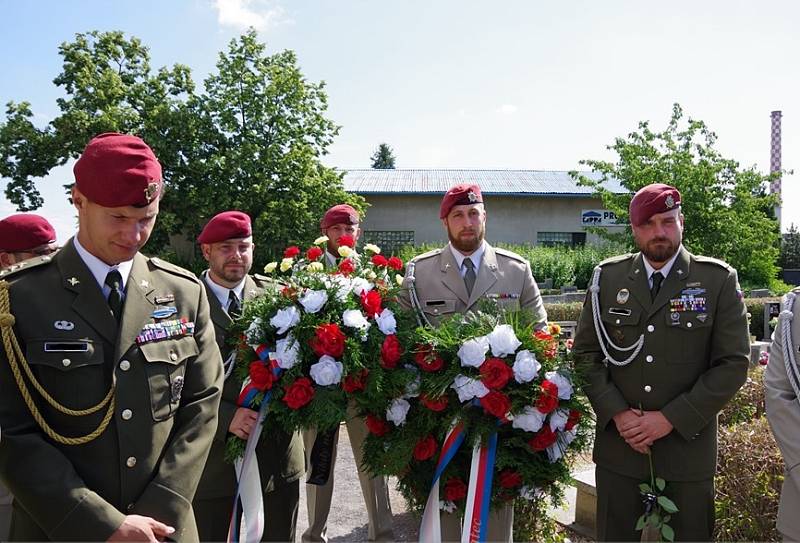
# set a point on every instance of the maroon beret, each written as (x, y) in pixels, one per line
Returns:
(226, 225)
(652, 199)
(25, 231)
(460, 195)
(117, 170)
(339, 214)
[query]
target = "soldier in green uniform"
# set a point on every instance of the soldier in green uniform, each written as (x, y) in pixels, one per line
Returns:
(663, 345)
(109, 374)
(24, 236)
(227, 245)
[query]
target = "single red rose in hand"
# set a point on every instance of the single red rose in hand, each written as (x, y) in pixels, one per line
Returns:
(313, 253)
(291, 251)
(425, 448)
(395, 263)
(455, 489)
(298, 393)
(379, 260)
(260, 375)
(439, 404)
(543, 439)
(391, 351)
(572, 420)
(427, 358)
(355, 381)
(347, 240)
(346, 266)
(548, 397)
(377, 426)
(371, 302)
(509, 478)
(495, 373)
(328, 339)
(496, 404)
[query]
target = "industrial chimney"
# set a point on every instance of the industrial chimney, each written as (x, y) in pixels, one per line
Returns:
(775, 161)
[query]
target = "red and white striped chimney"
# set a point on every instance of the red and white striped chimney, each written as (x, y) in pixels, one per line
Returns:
(775, 160)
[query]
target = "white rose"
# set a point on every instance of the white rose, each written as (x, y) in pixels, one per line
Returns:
(526, 367)
(372, 248)
(473, 351)
(558, 419)
(371, 275)
(286, 351)
(386, 322)
(269, 268)
(353, 318)
(320, 240)
(503, 340)
(399, 279)
(562, 382)
(313, 300)
(530, 420)
(286, 264)
(468, 388)
(397, 411)
(345, 251)
(285, 319)
(253, 334)
(361, 285)
(327, 371)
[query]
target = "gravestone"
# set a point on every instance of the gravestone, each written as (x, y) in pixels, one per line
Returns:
(771, 311)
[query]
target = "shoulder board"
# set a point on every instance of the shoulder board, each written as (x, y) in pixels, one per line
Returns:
(618, 258)
(173, 269)
(258, 278)
(710, 260)
(509, 254)
(429, 254)
(25, 265)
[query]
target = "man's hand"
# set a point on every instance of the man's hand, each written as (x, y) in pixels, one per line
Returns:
(243, 422)
(648, 427)
(139, 528)
(627, 421)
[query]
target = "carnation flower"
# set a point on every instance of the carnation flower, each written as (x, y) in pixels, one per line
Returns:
(353, 318)
(360, 285)
(386, 322)
(427, 358)
(562, 382)
(377, 426)
(468, 388)
(286, 264)
(372, 248)
(438, 404)
(425, 448)
(395, 263)
(455, 489)
(380, 261)
(526, 367)
(291, 251)
(397, 411)
(316, 267)
(391, 351)
(313, 300)
(355, 381)
(371, 275)
(530, 420)
(287, 351)
(313, 253)
(327, 371)
(496, 404)
(347, 241)
(574, 417)
(503, 340)
(320, 240)
(269, 268)
(473, 351)
(346, 266)
(548, 397)
(344, 251)
(285, 318)
(371, 302)
(399, 279)
(543, 439)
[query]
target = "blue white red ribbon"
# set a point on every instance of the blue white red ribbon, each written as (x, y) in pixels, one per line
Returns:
(479, 495)
(430, 530)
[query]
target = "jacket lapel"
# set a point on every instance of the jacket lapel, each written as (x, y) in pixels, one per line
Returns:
(674, 282)
(486, 277)
(637, 282)
(451, 279)
(218, 315)
(139, 304)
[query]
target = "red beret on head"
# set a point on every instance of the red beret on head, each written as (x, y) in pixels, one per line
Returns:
(25, 231)
(460, 195)
(226, 225)
(339, 214)
(117, 170)
(652, 199)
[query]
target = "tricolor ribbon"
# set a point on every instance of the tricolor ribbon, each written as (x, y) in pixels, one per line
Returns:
(430, 530)
(479, 495)
(247, 519)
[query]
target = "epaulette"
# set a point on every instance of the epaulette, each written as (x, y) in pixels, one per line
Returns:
(261, 278)
(711, 260)
(25, 265)
(172, 268)
(509, 254)
(423, 256)
(616, 259)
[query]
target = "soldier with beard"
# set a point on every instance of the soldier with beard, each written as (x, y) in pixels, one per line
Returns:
(663, 345)
(454, 278)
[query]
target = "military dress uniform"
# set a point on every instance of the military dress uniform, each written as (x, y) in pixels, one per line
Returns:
(280, 455)
(163, 400)
(691, 356)
(783, 412)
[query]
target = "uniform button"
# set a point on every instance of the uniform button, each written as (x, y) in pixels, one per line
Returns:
(617, 321)
(688, 325)
(131, 461)
(649, 358)
(435, 311)
(124, 365)
(127, 414)
(130, 507)
(650, 328)
(173, 356)
(66, 362)
(647, 388)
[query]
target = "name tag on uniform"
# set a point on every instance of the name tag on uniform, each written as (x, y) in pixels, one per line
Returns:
(66, 346)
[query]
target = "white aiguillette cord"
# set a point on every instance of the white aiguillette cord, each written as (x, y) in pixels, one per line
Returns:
(786, 316)
(594, 288)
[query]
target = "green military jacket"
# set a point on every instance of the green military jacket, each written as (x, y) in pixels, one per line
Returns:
(280, 455)
(693, 359)
(149, 459)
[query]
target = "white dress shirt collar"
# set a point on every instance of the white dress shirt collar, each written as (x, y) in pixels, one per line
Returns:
(665, 269)
(475, 257)
(100, 269)
(223, 293)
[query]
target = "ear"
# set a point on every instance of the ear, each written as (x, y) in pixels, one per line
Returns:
(6, 260)
(205, 248)
(444, 224)
(78, 199)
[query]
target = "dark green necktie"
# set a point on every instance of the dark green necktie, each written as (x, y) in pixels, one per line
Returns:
(114, 282)
(234, 306)
(657, 280)
(469, 276)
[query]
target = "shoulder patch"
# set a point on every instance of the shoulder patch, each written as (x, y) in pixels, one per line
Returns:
(25, 265)
(710, 260)
(509, 254)
(173, 269)
(429, 254)
(616, 259)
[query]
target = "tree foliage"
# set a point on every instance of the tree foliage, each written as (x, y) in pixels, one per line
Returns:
(729, 214)
(252, 139)
(790, 248)
(383, 158)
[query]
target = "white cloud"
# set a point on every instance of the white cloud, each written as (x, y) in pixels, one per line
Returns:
(241, 14)
(507, 109)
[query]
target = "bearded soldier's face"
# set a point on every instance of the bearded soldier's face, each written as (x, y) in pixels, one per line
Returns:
(466, 227)
(660, 237)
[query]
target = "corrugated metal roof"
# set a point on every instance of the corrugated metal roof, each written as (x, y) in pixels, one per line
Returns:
(421, 181)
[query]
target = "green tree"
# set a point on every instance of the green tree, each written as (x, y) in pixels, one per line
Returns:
(383, 158)
(728, 213)
(790, 248)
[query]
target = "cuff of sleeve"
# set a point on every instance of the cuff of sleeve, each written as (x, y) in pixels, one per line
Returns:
(164, 505)
(686, 420)
(226, 412)
(93, 519)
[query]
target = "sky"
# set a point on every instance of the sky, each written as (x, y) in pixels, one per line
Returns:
(462, 83)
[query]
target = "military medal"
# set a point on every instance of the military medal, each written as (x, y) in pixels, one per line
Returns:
(622, 296)
(164, 330)
(176, 389)
(165, 299)
(63, 325)
(164, 312)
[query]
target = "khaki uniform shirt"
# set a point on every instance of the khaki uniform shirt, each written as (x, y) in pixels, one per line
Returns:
(149, 459)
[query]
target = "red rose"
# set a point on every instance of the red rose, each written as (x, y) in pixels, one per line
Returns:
(395, 263)
(428, 359)
(497, 404)
(439, 404)
(425, 448)
(391, 351)
(543, 439)
(260, 375)
(377, 426)
(313, 253)
(509, 478)
(346, 266)
(298, 393)
(355, 381)
(495, 373)
(455, 489)
(572, 420)
(548, 397)
(371, 302)
(347, 240)
(291, 251)
(328, 339)
(379, 260)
